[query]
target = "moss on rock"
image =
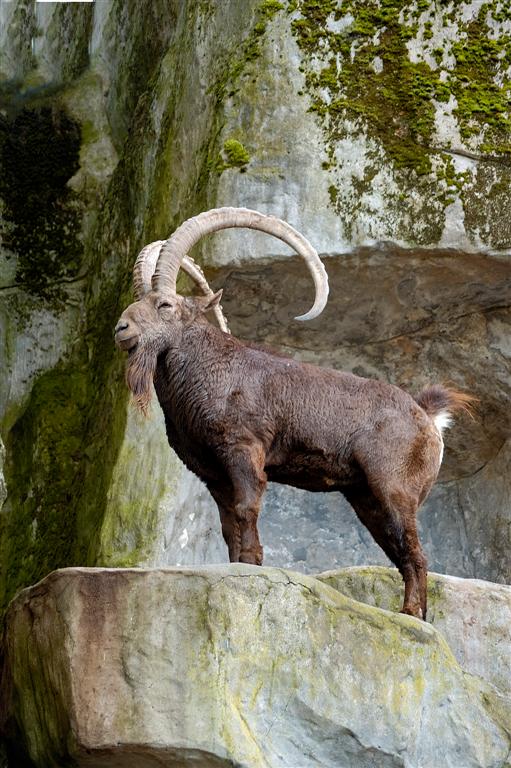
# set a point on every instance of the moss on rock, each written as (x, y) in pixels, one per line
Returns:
(394, 100)
(60, 428)
(45, 451)
(234, 155)
(236, 67)
(394, 69)
(86, 214)
(277, 668)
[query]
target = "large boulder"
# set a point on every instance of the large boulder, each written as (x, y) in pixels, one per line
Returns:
(235, 665)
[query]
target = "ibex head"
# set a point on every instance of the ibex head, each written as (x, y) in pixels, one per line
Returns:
(155, 321)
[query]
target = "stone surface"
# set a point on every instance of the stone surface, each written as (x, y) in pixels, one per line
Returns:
(236, 665)
(3, 489)
(362, 132)
(474, 616)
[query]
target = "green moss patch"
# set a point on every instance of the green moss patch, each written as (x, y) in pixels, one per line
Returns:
(484, 105)
(61, 452)
(46, 452)
(396, 100)
(62, 446)
(360, 75)
(233, 155)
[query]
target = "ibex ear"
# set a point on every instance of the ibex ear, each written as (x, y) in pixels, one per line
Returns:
(210, 303)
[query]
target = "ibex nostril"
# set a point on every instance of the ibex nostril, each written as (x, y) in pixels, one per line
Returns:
(121, 326)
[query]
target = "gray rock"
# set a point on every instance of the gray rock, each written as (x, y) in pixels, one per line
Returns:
(474, 616)
(3, 489)
(236, 665)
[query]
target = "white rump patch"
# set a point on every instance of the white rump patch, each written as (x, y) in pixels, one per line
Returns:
(442, 420)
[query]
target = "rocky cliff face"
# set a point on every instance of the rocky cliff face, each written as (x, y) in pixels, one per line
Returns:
(379, 130)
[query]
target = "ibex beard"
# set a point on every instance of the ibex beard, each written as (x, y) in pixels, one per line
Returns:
(140, 374)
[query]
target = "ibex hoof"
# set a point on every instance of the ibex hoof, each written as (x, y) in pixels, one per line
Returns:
(413, 611)
(254, 558)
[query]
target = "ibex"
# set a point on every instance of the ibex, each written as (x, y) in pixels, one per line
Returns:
(239, 415)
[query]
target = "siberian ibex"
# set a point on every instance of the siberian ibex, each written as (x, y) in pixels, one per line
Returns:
(239, 415)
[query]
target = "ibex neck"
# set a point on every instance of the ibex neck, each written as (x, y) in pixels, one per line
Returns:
(204, 339)
(200, 347)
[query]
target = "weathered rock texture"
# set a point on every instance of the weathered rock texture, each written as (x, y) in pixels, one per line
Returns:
(381, 130)
(474, 616)
(235, 665)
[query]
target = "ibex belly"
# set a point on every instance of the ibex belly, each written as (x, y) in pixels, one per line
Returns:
(314, 471)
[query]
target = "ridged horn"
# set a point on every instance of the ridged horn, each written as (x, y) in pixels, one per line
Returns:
(191, 231)
(144, 268)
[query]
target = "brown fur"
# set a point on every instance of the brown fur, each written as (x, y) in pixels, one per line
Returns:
(437, 398)
(239, 415)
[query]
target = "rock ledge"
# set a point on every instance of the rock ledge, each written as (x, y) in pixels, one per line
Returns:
(235, 665)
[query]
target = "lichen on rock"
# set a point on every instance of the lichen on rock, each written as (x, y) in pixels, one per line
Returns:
(96, 116)
(62, 413)
(235, 665)
(472, 615)
(410, 97)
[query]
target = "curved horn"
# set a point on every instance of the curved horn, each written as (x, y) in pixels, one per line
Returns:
(143, 271)
(144, 267)
(190, 232)
(195, 272)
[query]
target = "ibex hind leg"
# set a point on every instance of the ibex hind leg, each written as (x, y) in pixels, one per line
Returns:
(240, 501)
(392, 525)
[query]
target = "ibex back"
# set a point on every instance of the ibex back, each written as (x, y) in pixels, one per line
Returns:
(239, 415)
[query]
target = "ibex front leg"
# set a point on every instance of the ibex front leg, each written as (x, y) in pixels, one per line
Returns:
(239, 502)
(230, 528)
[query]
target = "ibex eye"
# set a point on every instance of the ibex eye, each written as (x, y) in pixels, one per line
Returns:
(164, 304)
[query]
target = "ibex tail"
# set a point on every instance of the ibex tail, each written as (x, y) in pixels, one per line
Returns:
(441, 403)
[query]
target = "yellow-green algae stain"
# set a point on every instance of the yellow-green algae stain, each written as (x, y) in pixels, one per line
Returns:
(383, 587)
(62, 440)
(45, 451)
(329, 621)
(325, 644)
